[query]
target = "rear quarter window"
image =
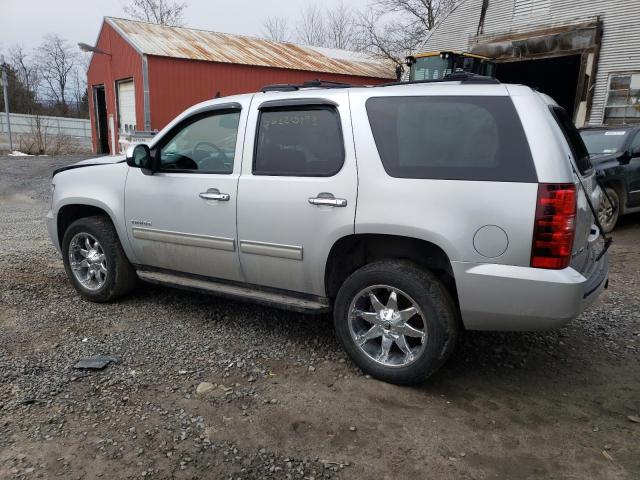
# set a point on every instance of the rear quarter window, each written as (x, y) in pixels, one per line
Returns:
(573, 138)
(451, 138)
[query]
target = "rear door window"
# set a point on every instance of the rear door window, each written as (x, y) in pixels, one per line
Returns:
(571, 134)
(301, 141)
(451, 138)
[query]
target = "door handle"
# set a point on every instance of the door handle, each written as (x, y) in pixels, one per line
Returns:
(214, 194)
(328, 199)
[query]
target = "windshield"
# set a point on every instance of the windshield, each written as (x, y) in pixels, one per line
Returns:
(602, 142)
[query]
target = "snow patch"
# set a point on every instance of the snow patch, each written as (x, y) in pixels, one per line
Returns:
(18, 153)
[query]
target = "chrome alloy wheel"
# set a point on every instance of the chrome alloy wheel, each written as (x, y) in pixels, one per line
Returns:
(88, 261)
(393, 334)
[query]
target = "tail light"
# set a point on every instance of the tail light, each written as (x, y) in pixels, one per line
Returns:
(555, 225)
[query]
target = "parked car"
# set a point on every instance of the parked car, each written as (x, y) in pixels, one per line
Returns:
(615, 154)
(410, 211)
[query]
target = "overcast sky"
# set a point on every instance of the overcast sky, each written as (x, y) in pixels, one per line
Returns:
(25, 21)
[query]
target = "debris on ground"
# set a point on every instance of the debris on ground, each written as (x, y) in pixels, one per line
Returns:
(96, 362)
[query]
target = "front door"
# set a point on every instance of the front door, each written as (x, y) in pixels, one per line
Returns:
(183, 217)
(297, 192)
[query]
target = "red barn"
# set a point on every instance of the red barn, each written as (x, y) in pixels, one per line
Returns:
(142, 75)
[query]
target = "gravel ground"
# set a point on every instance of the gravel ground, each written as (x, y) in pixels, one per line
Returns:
(283, 401)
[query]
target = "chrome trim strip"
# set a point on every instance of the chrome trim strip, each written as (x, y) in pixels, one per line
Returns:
(237, 291)
(291, 252)
(191, 240)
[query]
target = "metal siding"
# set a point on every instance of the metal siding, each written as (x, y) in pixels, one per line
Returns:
(124, 62)
(619, 49)
(194, 44)
(176, 84)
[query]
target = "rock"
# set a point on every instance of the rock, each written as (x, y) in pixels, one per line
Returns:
(353, 428)
(633, 418)
(204, 387)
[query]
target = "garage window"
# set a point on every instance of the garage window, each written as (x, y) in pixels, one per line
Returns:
(451, 138)
(299, 142)
(623, 99)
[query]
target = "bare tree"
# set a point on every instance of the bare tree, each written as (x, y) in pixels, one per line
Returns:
(276, 29)
(310, 27)
(423, 12)
(341, 27)
(25, 68)
(394, 29)
(56, 62)
(162, 12)
(79, 87)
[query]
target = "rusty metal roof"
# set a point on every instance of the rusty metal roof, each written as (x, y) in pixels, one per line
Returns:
(193, 44)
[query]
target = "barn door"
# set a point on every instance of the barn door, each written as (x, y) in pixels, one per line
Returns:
(126, 107)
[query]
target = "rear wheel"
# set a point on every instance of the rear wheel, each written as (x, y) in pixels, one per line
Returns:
(396, 321)
(608, 211)
(94, 260)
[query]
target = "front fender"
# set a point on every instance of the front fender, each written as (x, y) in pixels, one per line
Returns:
(99, 186)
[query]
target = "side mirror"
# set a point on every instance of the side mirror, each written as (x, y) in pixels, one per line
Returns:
(635, 153)
(139, 156)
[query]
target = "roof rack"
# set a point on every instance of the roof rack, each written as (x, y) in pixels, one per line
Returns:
(317, 83)
(462, 77)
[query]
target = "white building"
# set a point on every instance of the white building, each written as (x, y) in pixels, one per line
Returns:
(584, 53)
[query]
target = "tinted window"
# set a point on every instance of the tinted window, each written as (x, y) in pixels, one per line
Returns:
(454, 138)
(299, 142)
(204, 143)
(571, 134)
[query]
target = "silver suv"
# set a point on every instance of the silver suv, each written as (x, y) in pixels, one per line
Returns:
(409, 210)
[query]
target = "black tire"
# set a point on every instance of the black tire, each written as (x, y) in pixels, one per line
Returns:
(609, 218)
(441, 318)
(120, 278)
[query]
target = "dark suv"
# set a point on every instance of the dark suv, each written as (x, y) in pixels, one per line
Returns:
(615, 154)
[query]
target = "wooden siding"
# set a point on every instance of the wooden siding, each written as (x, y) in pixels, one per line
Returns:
(176, 84)
(124, 62)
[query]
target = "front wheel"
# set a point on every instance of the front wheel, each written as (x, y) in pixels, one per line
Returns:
(396, 321)
(94, 260)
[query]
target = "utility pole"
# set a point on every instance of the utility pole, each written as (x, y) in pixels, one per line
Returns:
(5, 86)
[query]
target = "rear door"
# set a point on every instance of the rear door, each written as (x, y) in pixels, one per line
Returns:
(297, 191)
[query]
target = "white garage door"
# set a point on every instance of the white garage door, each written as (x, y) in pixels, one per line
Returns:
(126, 106)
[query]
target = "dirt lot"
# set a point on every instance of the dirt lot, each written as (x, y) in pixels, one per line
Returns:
(286, 403)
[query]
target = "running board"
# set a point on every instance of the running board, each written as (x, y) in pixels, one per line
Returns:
(273, 299)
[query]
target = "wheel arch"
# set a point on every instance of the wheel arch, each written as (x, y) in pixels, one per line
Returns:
(80, 208)
(352, 252)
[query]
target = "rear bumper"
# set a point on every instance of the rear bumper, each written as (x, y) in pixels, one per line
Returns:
(510, 298)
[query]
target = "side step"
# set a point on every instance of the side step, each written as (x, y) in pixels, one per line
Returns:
(273, 299)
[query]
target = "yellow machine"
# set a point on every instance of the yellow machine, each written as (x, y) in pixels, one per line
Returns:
(435, 65)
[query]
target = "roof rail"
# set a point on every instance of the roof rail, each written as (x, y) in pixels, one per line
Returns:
(317, 83)
(462, 77)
